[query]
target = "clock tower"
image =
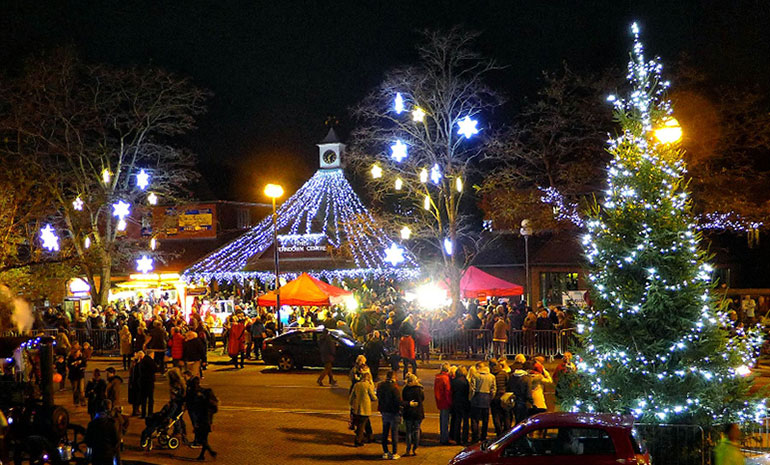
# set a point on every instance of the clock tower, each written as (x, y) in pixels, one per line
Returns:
(330, 151)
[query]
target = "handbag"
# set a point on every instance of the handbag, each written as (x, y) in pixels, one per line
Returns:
(508, 400)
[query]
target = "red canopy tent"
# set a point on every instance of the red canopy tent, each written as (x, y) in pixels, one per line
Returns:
(476, 283)
(305, 290)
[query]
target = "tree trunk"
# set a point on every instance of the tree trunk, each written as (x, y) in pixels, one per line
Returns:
(105, 277)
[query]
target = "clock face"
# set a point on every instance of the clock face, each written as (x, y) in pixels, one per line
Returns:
(329, 157)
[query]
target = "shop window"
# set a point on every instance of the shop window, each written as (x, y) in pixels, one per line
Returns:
(553, 284)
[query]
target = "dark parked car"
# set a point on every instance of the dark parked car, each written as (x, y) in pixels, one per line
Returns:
(299, 348)
(564, 439)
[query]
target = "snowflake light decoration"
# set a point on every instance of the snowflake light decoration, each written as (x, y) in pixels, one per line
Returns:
(398, 151)
(49, 238)
(394, 254)
(77, 204)
(144, 264)
(467, 127)
(121, 209)
(142, 179)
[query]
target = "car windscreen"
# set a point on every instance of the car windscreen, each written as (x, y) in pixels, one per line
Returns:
(345, 340)
(504, 439)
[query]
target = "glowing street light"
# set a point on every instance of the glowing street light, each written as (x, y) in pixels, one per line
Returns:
(670, 132)
(275, 191)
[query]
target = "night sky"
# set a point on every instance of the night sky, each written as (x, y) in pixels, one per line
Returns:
(279, 68)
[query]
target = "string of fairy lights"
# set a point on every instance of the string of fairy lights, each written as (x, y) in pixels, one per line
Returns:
(325, 208)
(621, 201)
(121, 210)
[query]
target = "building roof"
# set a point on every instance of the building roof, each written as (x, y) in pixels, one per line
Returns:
(331, 138)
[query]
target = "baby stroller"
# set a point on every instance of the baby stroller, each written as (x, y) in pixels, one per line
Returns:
(163, 426)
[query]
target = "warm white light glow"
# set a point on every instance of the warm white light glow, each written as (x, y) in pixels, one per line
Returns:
(274, 191)
(426, 202)
(152, 199)
(418, 115)
(153, 243)
(376, 171)
(122, 225)
(87, 242)
(423, 175)
(77, 204)
(106, 176)
(459, 184)
(670, 132)
(430, 297)
(406, 233)
(399, 184)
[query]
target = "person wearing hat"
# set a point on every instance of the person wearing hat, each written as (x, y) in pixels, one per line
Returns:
(236, 341)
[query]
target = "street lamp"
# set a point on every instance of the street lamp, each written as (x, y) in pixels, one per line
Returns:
(275, 191)
(526, 231)
(669, 132)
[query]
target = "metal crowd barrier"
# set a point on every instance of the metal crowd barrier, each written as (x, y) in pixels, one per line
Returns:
(103, 341)
(30, 332)
(477, 343)
(670, 444)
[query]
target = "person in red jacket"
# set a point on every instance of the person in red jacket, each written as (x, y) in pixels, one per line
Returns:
(406, 350)
(236, 341)
(176, 344)
(443, 391)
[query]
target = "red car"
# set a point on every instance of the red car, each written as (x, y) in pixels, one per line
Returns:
(563, 439)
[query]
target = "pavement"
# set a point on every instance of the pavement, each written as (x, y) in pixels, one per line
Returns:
(270, 417)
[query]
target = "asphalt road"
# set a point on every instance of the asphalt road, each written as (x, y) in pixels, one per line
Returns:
(271, 417)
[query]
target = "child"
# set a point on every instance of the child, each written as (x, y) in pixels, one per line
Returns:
(61, 369)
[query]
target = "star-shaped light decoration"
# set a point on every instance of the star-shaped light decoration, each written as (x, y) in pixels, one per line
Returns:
(423, 175)
(394, 254)
(398, 151)
(142, 180)
(49, 238)
(398, 103)
(418, 115)
(406, 233)
(77, 204)
(376, 171)
(448, 246)
(467, 127)
(144, 264)
(152, 199)
(121, 209)
(435, 174)
(399, 184)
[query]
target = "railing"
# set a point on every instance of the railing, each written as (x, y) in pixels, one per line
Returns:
(103, 341)
(675, 444)
(477, 343)
(30, 332)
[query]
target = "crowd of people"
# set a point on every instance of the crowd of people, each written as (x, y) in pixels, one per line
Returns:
(466, 398)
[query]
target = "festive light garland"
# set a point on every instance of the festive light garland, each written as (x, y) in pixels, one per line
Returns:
(619, 303)
(324, 207)
(565, 210)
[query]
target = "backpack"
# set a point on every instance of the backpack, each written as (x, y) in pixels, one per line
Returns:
(212, 403)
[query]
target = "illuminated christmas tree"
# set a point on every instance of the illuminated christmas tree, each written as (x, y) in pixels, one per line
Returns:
(655, 343)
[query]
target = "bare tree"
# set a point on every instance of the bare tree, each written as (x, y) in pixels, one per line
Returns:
(93, 129)
(426, 189)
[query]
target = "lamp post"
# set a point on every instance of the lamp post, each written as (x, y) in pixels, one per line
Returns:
(275, 191)
(526, 231)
